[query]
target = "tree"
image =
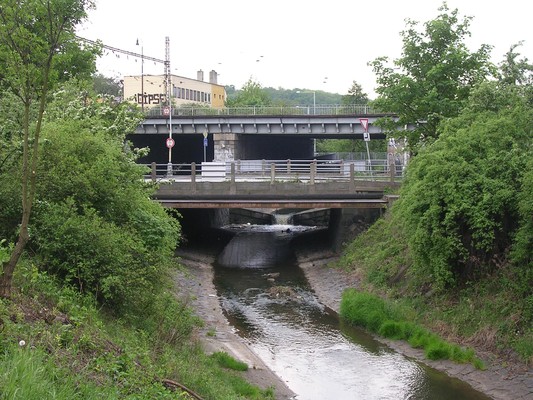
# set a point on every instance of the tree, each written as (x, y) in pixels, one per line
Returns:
(251, 94)
(433, 78)
(355, 95)
(107, 86)
(37, 49)
(516, 72)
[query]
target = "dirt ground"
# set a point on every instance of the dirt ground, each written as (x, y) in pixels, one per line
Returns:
(501, 382)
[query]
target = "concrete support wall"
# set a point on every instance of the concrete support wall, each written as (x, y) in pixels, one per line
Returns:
(226, 147)
(347, 223)
(313, 217)
(243, 216)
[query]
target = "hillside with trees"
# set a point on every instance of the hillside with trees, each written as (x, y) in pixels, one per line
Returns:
(456, 250)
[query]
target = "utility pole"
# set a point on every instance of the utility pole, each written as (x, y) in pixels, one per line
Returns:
(142, 75)
(168, 91)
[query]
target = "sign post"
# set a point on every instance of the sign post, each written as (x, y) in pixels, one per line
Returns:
(167, 111)
(205, 144)
(366, 138)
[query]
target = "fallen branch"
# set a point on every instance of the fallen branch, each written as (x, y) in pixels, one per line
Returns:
(172, 385)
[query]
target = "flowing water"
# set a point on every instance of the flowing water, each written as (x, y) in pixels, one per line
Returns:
(268, 301)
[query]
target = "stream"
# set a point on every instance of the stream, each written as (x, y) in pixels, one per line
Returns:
(267, 299)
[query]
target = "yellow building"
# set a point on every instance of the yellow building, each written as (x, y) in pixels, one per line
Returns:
(150, 90)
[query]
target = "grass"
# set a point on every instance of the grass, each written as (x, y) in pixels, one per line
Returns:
(226, 361)
(387, 319)
(75, 350)
(489, 313)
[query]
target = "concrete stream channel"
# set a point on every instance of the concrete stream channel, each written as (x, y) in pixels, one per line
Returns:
(199, 284)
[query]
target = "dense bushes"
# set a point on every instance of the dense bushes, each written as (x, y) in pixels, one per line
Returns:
(460, 201)
(95, 225)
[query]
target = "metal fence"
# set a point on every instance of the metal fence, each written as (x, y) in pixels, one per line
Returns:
(327, 109)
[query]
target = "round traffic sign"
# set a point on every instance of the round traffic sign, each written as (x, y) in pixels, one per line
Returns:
(170, 143)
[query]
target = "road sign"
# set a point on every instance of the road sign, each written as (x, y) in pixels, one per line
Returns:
(166, 111)
(205, 142)
(364, 123)
(170, 143)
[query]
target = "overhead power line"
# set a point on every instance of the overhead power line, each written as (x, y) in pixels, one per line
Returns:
(117, 50)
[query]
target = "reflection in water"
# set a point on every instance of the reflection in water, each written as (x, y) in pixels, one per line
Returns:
(305, 344)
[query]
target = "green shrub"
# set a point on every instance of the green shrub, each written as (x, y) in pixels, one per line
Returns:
(437, 350)
(392, 330)
(364, 309)
(97, 256)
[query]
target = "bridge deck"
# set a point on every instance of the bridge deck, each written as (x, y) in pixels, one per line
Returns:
(279, 203)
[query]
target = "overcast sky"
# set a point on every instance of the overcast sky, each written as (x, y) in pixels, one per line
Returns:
(306, 44)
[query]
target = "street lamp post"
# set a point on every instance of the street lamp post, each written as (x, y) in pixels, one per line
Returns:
(314, 112)
(142, 75)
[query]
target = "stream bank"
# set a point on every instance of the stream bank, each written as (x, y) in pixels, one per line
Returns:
(196, 286)
(501, 382)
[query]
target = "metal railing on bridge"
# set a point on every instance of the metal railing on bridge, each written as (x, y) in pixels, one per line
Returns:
(327, 109)
(305, 171)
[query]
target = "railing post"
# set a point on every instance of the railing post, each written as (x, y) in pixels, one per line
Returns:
(392, 166)
(341, 166)
(193, 177)
(232, 187)
(153, 172)
(263, 167)
(272, 173)
(352, 177)
(288, 166)
(312, 173)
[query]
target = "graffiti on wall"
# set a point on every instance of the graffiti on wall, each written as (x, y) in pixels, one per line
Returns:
(150, 99)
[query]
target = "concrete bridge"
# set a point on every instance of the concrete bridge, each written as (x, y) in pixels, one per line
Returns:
(276, 184)
(229, 160)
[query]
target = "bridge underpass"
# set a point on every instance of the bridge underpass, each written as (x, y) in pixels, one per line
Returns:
(335, 205)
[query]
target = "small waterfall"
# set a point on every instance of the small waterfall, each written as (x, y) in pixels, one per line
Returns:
(262, 246)
(282, 219)
(250, 249)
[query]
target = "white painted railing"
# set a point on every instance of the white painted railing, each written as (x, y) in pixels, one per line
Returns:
(309, 171)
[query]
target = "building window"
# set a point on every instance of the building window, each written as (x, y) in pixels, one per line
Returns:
(187, 94)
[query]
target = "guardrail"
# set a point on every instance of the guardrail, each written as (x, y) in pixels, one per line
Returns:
(323, 109)
(307, 171)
